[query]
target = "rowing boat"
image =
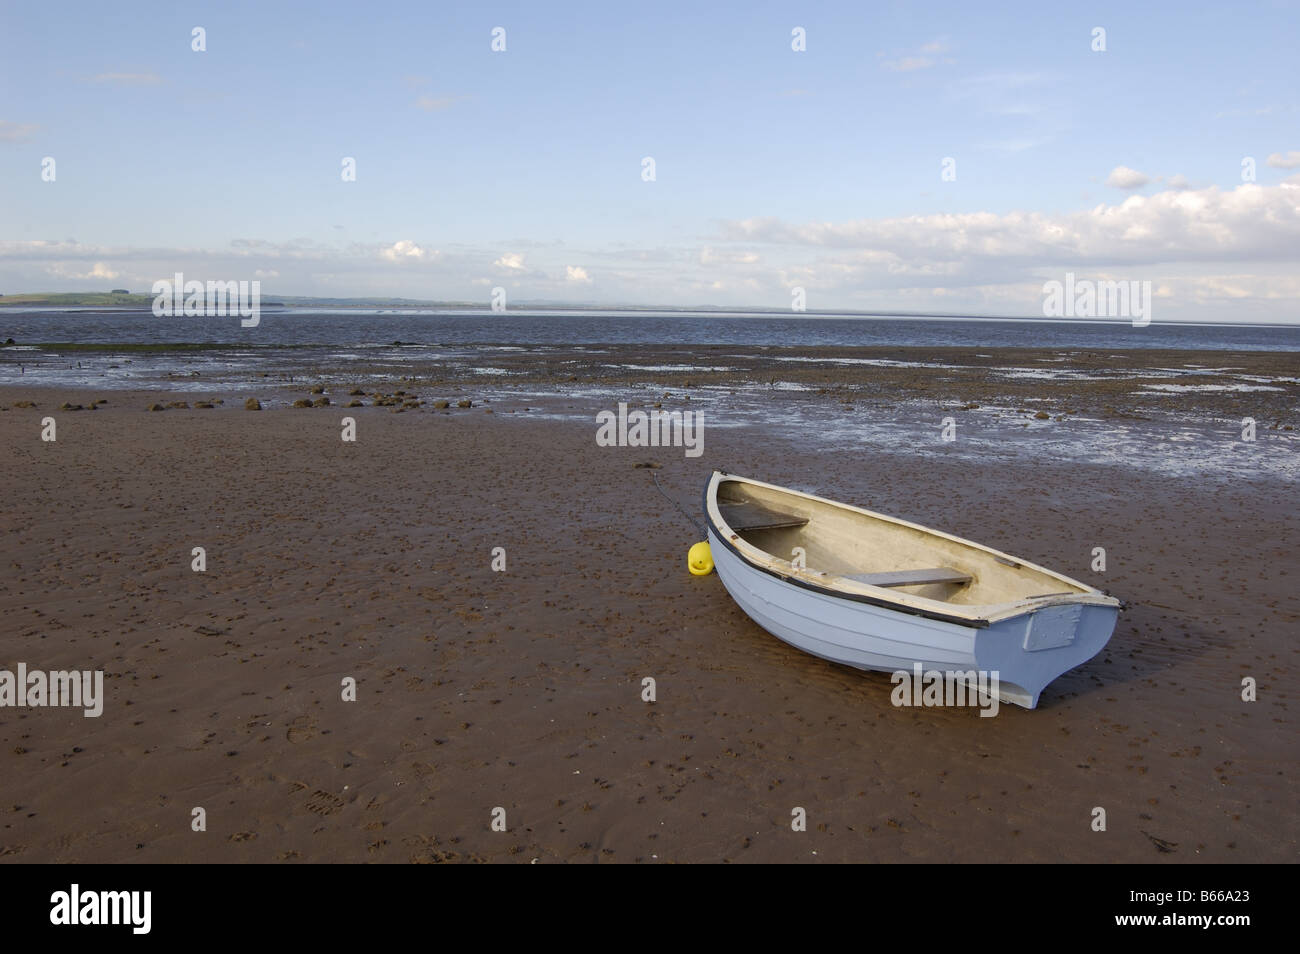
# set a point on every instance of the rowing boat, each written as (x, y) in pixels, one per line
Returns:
(878, 593)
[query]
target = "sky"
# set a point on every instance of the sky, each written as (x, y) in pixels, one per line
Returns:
(1170, 156)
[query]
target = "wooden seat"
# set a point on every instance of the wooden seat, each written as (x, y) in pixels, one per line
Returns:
(751, 515)
(941, 574)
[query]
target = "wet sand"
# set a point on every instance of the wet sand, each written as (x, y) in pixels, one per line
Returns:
(1112, 383)
(1225, 385)
(522, 689)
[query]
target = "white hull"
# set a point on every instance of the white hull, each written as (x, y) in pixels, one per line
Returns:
(1026, 648)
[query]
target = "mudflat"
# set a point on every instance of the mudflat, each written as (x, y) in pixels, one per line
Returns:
(522, 689)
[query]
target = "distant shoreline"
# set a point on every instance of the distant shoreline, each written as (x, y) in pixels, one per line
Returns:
(105, 302)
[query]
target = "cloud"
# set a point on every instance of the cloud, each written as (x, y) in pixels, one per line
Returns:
(1212, 254)
(1257, 111)
(1248, 223)
(711, 256)
(1019, 110)
(1290, 161)
(922, 61)
(70, 270)
(16, 132)
(1014, 145)
(432, 104)
(129, 79)
(1122, 177)
(1179, 181)
(907, 64)
(991, 90)
(406, 251)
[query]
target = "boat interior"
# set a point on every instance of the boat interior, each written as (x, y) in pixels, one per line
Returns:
(877, 550)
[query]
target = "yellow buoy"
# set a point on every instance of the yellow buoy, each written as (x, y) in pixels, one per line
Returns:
(700, 559)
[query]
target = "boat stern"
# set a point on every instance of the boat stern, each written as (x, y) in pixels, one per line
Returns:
(1029, 651)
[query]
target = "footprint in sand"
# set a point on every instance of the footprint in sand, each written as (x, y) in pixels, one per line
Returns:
(301, 729)
(323, 803)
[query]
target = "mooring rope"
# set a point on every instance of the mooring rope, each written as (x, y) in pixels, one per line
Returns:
(693, 522)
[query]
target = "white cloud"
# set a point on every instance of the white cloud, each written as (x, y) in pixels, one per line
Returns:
(1122, 177)
(922, 61)
(1179, 181)
(434, 103)
(992, 91)
(129, 79)
(1027, 109)
(16, 132)
(406, 251)
(711, 256)
(1248, 223)
(1014, 145)
(98, 270)
(908, 63)
(1256, 111)
(1290, 161)
(1212, 254)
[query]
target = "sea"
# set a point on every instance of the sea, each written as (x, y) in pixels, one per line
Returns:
(133, 349)
(374, 328)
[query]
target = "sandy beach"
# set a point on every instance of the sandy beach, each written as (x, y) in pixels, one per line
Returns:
(522, 689)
